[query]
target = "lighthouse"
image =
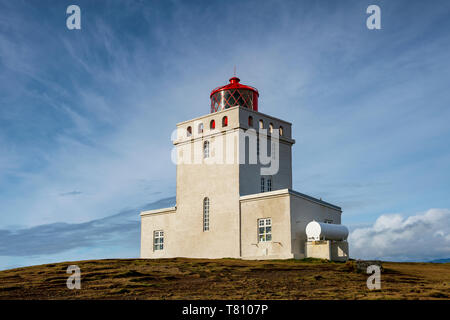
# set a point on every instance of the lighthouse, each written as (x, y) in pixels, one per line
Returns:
(234, 195)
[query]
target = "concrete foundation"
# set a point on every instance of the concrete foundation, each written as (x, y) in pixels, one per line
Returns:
(329, 250)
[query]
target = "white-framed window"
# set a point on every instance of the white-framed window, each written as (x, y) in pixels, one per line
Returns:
(206, 214)
(269, 184)
(206, 149)
(265, 230)
(158, 240)
(262, 184)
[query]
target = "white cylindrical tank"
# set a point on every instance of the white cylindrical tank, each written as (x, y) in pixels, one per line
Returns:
(326, 231)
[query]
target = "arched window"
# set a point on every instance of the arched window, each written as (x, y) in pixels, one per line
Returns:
(224, 121)
(261, 124)
(200, 128)
(271, 127)
(189, 131)
(206, 214)
(281, 131)
(212, 125)
(250, 121)
(206, 149)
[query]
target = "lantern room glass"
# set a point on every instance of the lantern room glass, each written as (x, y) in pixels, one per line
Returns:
(230, 98)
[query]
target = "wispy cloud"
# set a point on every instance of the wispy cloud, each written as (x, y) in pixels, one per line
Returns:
(119, 231)
(71, 193)
(92, 111)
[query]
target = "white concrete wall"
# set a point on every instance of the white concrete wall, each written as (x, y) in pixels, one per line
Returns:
(153, 220)
(305, 209)
(318, 249)
(215, 180)
(330, 250)
(250, 174)
(274, 205)
(291, 212)
(236, 203)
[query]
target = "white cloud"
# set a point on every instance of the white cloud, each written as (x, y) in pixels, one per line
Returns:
(420, 237)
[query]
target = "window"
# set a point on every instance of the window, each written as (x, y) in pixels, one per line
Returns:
(189, 131)
(265, 230)
(273, 148)
(250, 121)
(206, 214)
(225, 121)
(281, 131)
(328, 221)
(206, 149)
(158, 240)
(262, 184)
(212, 125)
(261, 124)
(269, 184)
(271, 127)
(257, 145)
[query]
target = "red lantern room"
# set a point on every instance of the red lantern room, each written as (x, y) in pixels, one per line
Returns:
(234, 94)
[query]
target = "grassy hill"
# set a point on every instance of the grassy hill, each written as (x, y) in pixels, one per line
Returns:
(224, 279)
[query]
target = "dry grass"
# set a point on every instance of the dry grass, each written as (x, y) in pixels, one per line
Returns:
(224, 279)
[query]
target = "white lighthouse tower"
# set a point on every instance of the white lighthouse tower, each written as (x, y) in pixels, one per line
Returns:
(234, 190)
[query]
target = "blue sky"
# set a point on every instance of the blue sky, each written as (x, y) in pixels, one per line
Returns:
(86, 115)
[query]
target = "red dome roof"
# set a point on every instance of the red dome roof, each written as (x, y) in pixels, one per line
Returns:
(234, 84)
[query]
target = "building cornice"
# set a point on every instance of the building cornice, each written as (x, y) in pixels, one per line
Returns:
(159, 211)
(217, 132)
(312, 199)
(262, 195)
(231, 109)
(206, 116)
(284, 192)
(266, 115)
